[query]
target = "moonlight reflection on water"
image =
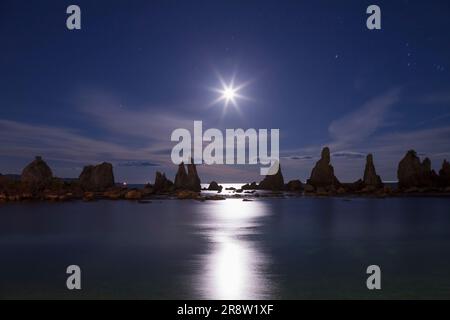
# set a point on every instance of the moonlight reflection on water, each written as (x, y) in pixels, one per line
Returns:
(234, 266)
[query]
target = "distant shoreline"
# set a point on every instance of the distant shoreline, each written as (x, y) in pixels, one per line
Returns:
(37, 183)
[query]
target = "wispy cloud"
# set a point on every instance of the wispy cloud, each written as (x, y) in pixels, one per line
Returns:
(356, 134)
(349, 155)
(21, 139)
(302, 157)
(363, 122)
(133, 139)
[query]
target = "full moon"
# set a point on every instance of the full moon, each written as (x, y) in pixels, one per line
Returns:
(229, 95)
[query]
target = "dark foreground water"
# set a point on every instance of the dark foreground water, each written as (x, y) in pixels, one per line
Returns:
(269, 248)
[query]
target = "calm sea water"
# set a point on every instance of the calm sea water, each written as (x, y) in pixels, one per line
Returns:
(290, 248)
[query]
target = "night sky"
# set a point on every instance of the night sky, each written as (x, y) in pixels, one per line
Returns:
(114, 90)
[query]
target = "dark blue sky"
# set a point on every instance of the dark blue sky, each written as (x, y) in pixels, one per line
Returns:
(116, 89)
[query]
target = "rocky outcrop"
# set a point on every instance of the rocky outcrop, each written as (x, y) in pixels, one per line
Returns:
(97, 178)
(273, 182)
(322, 175)
(214, 186)
(371, 179)
(294, 186)
(411, 173)
(444, 175)
(162, 184)
(187, 181)
(180, 177)
(37, 174)
(250, 186)
(193, 180)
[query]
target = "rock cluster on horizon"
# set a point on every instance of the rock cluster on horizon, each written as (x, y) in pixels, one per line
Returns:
(97, 182)
(97, 178)
(412, 173)
(187, 181)
(322, 175)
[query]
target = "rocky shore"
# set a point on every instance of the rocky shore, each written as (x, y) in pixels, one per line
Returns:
(37, 183)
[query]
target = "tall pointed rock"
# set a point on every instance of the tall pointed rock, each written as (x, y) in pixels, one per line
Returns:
(193, 180)
(371, 178)
(322, 174)
(181, 177)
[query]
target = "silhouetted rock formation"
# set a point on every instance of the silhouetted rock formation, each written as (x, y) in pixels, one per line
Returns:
(187, 181)
(194, 182)
(294, 186)
(429, 177)
(37, 174)
(214, 186)
(181, 177)
(251, 186)
(322, 175)
(371, 179)
(97, 182)
(273, 182)
(97, 178)
(444, 174)
(162, 184)
(133, 194)
(413, 174)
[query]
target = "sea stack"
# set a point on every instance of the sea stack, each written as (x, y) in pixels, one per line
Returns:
(162, 184)
(322, 175)
(411, 173)
(187, 181)
(180, 177)
(273, 182)
(214, 186)
(193, 179)
(37, 174)
(371, 179)
(97, 178)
